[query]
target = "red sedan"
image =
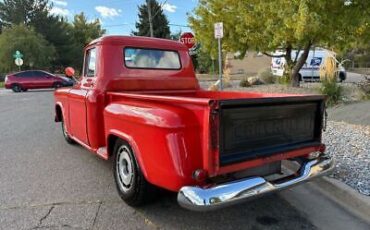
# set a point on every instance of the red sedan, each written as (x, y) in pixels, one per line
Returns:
(35, 79)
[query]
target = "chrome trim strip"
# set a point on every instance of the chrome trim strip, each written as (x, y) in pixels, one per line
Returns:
(204, 199)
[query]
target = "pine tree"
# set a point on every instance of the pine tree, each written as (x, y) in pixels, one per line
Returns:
(65, 38)
(15, 12)
(160, 22)
(83, 32)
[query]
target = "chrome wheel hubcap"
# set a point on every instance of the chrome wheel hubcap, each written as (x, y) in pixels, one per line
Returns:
(124, 168)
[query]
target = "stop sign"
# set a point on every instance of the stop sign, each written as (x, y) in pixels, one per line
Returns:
(188, 39)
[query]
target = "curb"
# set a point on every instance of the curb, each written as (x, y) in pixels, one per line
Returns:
(345, 196)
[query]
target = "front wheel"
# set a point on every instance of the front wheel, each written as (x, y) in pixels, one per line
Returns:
(57, 85)
(131, 184)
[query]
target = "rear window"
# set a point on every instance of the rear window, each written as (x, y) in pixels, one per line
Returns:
(141, 58)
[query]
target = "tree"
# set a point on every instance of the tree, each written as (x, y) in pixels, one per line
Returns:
(57, 32)
(67, 39)
(35, 13)
(83, 32)
(15, 12)
(285, 24)
(176, 36)
(161, 28)
(38, 53)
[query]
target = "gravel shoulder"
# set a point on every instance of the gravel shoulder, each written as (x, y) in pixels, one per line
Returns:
(350, 146)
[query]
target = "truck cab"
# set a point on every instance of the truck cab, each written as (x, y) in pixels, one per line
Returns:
(139, 102)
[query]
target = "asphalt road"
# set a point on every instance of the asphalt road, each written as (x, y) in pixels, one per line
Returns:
(48, 184)
(354, 77)
(355, 113)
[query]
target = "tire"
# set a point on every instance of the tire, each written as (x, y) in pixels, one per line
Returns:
(16, 88)
(300, 77)
(342, 76)
(24, 90)
(66, 135)
(57, 85)
(131, 184)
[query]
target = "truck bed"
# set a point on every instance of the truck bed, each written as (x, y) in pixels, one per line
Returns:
(252, 125)
(203, 96)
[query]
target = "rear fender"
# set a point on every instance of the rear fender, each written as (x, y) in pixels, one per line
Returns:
(165, 139)
(121, 135)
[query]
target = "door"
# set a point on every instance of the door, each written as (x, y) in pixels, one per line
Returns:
(77, 98)
(43, 79)
(26, 79)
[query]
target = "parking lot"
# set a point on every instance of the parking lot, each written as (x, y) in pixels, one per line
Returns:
(49, 184)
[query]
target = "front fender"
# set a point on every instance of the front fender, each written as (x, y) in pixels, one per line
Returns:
(165, 138)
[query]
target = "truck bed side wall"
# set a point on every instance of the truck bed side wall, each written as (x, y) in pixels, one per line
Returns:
(173, 133)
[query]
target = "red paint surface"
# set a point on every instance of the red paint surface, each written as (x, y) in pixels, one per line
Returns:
(162, 114)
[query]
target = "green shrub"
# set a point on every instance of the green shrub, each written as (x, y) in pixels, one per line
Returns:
(266, 76)
(332, 90)
(284, 80)
(1, 84)
(245, 83)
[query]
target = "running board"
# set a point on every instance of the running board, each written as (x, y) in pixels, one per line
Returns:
(102, 152)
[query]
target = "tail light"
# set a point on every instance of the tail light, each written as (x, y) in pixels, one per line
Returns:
(200, 175)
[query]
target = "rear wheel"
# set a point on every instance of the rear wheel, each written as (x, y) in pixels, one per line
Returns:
(66, 135)
(300, 77)
(131, 184)
(16, 88)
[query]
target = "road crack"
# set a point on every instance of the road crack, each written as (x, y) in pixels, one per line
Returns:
(39, 225)
(96, 214)
(46, 216)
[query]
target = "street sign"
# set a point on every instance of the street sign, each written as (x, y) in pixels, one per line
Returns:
(219, 34)
(17, 54)
(219, 30)
(18, 61)
(188, 39)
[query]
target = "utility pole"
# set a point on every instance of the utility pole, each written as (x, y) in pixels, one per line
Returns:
(150, 18)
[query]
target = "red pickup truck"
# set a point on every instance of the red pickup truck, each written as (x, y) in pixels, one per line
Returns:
(139, 102)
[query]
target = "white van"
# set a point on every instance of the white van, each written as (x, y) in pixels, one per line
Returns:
(311, 69)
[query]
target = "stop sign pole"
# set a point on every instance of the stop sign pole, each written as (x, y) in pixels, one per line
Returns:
(219, 34)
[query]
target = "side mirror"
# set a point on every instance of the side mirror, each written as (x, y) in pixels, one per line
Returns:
(70, 72)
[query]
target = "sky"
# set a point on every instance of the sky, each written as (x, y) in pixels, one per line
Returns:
(118, 17)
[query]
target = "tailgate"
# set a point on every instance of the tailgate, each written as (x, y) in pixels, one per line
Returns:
(252, 128)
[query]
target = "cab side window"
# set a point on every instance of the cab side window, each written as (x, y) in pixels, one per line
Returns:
(90, 63)
(27, 74)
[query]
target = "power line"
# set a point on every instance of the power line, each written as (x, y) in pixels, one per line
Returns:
(178, 25)
(128, 24)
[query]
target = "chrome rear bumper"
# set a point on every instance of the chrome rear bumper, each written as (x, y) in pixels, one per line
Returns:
(204, 199)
